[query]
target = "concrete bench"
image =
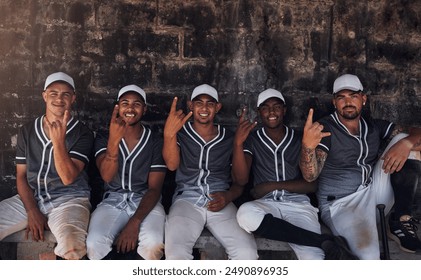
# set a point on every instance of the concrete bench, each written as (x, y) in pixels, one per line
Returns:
(16, 246)
(211, 249)
(19, 237)
(208, 247)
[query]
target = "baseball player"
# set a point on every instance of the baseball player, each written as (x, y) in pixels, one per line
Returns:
(341, 150)
(402, 226)
(283, 210)
(200, 151)
(130, 162)
(51, 159)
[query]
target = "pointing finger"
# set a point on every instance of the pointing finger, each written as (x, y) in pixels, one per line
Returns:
(115, 112)
(309, 120)
(66, 117)
(243, 114)
(174, 104)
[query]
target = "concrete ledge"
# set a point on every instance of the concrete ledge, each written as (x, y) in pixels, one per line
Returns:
(209, 247)
(206, 239)
(19, 237)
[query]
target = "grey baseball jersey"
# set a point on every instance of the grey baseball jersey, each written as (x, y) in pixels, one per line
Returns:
(36, 151)
(275, 163)
(205, 167)
(134, 166)
(351, 158)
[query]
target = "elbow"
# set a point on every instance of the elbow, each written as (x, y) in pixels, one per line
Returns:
(242, 181)
(310, 179)
(106, 178)
(68, 181)
(171, 164)
(172, 167)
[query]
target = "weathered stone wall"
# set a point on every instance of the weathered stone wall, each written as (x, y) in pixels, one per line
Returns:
(240, 47)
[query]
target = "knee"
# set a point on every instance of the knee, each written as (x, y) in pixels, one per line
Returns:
(74, 254)
(96, 248)
(154, 252)
(248, 217)
(71, 249)
(151, 248)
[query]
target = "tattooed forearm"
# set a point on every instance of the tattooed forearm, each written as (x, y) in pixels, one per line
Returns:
(308, 164)
(311, 163)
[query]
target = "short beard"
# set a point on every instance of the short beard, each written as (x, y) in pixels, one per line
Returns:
(351, 116)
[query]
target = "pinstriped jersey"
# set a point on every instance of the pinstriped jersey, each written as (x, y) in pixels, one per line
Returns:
(133, 166)
(275, 163)
(35, 150)
(205, 167)
(351, 158)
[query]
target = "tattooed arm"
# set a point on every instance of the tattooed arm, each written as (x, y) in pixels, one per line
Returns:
(312, 159)
(396, 156)
(311, 163)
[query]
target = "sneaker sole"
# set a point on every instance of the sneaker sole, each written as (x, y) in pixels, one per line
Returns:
(396, 239)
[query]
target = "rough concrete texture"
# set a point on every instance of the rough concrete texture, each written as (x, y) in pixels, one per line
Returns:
(241, 47)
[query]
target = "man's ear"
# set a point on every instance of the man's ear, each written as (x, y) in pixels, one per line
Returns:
(364, 99)
(190, 105)
(73, 98)
(218, 106)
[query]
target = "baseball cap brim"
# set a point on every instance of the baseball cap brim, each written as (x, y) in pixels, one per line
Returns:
(347, 81)
(133, 88)
(59, 77)
(205, 89)
(269, 93)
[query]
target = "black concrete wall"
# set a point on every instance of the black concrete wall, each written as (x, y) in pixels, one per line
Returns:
(240, 47)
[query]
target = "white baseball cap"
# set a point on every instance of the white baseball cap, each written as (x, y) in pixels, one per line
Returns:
(205, 89)
(269, 93)
(59, 76)
(347, 81)
(133, 88)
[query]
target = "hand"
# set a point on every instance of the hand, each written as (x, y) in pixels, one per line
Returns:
(219, 201)
(243, 129)
(118, 127)
(312, 134)
(57, 129)
(176, 119)
(128, 238)
(37, 223)
(396, 156)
